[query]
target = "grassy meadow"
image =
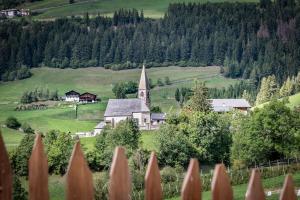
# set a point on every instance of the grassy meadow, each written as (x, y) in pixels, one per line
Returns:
(99, 81)
(294, 101)
(49, 9)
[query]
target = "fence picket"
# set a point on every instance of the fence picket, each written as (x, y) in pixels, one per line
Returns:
(288, 190)
(38, 171)
(5, 173)
(220, 185)
(120, 184)
(255, 189)
(191, 187)
(153, 189)
(79, 181)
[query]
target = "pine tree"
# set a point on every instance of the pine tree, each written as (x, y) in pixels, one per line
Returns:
(286, 88)
(177, 95)
(246, 95)
(199, 100)
(268, 90)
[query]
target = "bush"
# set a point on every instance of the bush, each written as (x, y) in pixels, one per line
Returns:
(27, 129)
(12, 122)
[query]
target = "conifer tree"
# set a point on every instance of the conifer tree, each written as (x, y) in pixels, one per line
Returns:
(199, 100)
(286, 88)
(268, 90)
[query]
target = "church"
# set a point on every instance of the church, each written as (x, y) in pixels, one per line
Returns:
(137, 109)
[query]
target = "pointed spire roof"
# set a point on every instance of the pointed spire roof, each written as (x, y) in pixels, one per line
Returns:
(144, 82)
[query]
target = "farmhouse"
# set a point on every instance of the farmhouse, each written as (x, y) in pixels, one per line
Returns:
(137, 109)
(226, 105)
(87, 98)
(15, 12)
(72, 96)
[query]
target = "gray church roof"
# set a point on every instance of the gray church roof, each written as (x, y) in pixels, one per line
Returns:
(220, 105)
(124, 107)
(144, 83)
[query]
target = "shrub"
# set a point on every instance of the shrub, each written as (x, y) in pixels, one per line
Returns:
(27, 128)
(12, 122)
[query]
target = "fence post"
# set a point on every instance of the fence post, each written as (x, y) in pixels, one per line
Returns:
(191, 187)
(220, 185)
(5, 173)
(38, 171)
(255, 189)
(153, 189)
(79, 181)
(119, 183)
(288, 190)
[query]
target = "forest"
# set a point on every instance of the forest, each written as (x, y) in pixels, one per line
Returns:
(249, 40)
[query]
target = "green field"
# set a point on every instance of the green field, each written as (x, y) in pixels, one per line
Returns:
(294, 101)
(99, 81)
(50, 9)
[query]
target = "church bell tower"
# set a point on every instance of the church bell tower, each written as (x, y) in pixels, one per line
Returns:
(144, 88)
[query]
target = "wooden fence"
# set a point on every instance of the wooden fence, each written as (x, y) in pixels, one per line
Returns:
(79, 181)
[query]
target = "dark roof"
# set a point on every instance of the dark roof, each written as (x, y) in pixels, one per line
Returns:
(88, 94)
(125, 107)
(223, 105)
(158, 116)
(72, 92)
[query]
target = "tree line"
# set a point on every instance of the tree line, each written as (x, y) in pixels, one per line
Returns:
(250, 40)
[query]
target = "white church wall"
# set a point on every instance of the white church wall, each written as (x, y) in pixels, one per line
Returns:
(115, 120)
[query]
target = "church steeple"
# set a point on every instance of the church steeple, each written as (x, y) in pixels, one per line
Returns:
(144, 87)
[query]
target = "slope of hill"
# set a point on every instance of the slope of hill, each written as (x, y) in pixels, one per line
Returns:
(100, 82)
(48, 9)
(294, 101)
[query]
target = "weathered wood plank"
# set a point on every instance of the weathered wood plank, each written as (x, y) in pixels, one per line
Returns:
(79, 181)
(220, 186)
(120, 181)
(5, 173)
(288, 190)
(255, 189)
(153, 190)
(191, 187)
(38, 172)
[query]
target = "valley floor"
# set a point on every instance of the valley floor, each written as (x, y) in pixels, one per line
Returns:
(98, 81)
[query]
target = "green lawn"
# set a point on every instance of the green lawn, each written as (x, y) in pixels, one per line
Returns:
(50, 9)
(270, 184)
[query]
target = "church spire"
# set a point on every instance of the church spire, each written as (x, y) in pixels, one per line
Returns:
(144, 87)
(144, 83)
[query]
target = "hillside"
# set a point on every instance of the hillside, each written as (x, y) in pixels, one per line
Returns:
(294, 101)
(100, 82)
(49, 9)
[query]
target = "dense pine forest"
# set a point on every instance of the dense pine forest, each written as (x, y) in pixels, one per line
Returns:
(249, 40)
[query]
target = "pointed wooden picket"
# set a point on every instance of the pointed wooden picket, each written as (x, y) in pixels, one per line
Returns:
(255, 189)
(288, 190)
(38, 171)
(79, 181)
(220, 185)
(191, 187)
(119, 185)
(153, 190)
(5, 173)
